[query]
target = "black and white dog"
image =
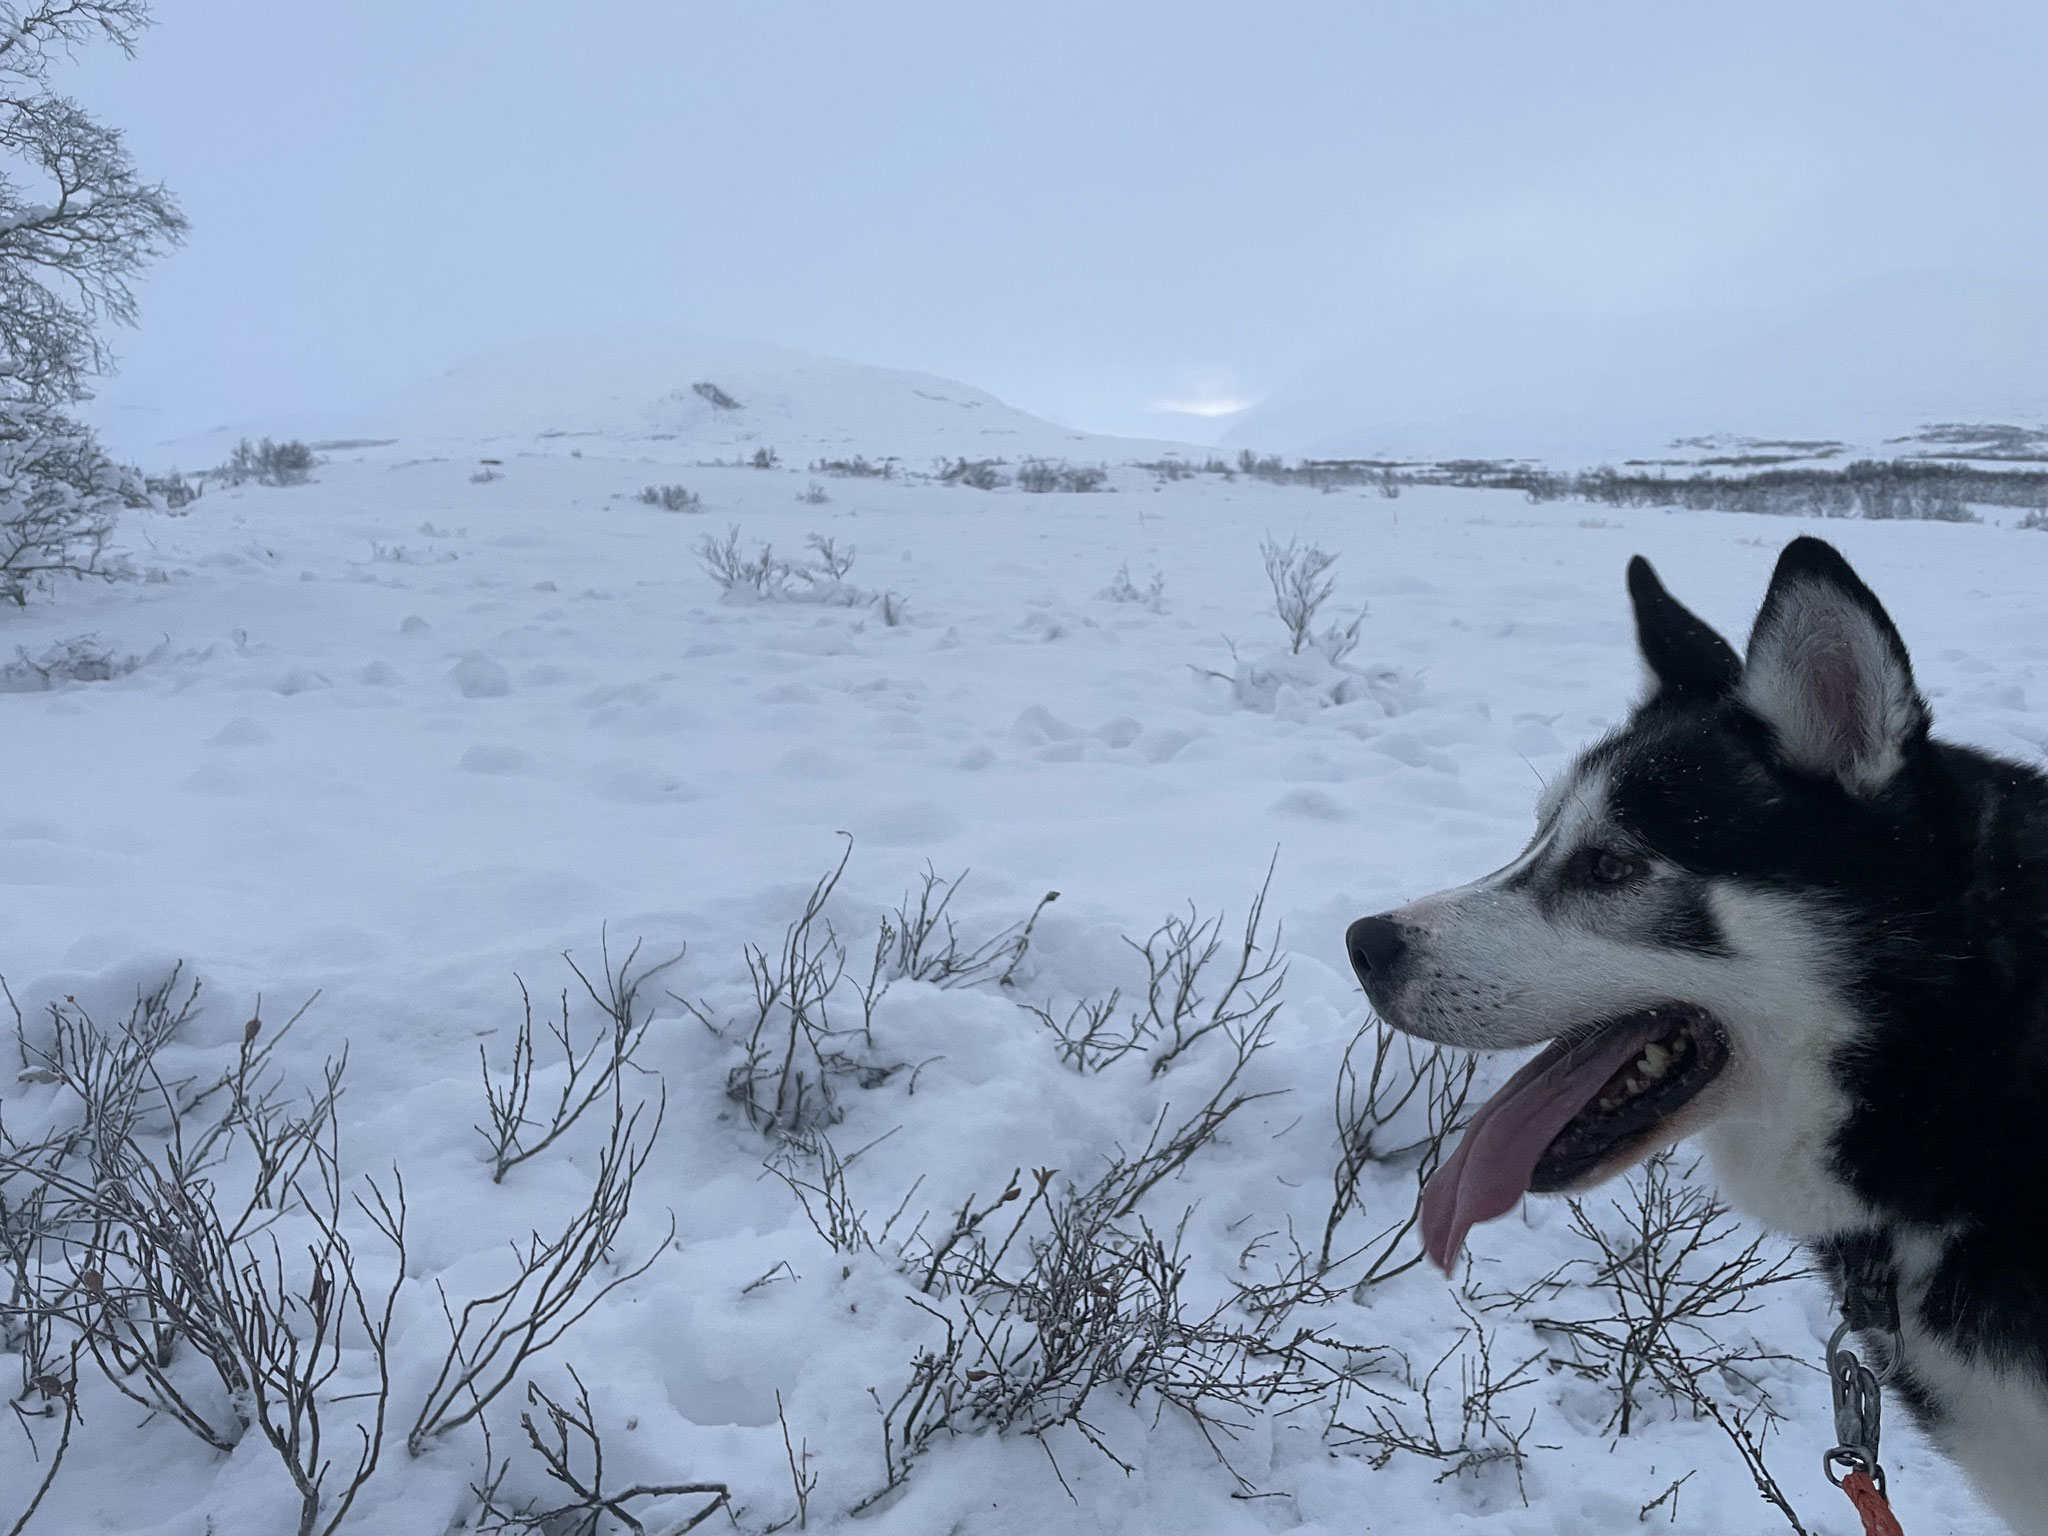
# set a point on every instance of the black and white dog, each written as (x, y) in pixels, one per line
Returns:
(1771, 911)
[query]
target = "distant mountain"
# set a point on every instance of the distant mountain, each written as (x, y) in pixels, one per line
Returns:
(1874, 361)
(721, 398)
(685, 399)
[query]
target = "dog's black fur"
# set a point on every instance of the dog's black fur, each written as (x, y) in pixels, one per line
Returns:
(1817, 790)
(1941, 882)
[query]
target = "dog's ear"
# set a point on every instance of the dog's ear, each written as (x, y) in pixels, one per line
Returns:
(1692, 664)
(1829, 674)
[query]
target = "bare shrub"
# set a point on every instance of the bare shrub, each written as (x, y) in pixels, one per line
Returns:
(919, 941)
(272, 1328)
(588, 1074)
(1417, 1422)
(976, 474)
(735, 571)
(193, 1238)
(813, 495)
(557, 1279)
(1870, 488)
(672, 498)
(802, 1480)
(1185, 999)
(1067, 1299)
(1051, 1295)
(797, 1051)
(1325, 475)
(710, 393)
(855, 468)
(1042, 475)
(1669, 1273)
(830, 561)
(1301, 585)
(174, 490)
(1122, 589)
(406, 554)
(1405, 1106)
(1672, 1265)
(764, 458)
(766, 577)
(1172, 1141)
(268, 463)
(53, 1394)
(119, 1236)
(815, 1173)
(571, 1452)
(794, 1056)
(80, 659)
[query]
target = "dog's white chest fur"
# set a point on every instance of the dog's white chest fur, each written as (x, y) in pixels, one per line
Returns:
(1771, 1145)
(1994, 1423)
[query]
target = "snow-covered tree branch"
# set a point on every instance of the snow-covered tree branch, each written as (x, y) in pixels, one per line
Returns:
(76, 225)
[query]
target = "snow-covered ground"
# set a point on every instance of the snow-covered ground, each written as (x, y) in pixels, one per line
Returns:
(403, 735)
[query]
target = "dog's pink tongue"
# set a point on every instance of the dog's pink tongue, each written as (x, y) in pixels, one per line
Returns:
(1493, 1165)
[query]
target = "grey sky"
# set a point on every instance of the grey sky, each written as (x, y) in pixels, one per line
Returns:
(1088, 208)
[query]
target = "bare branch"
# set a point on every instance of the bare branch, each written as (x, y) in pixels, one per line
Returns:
(589, 1074)
(571, 1445)
(557, 1281)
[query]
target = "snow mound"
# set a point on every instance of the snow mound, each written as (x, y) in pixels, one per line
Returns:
(1293, 684)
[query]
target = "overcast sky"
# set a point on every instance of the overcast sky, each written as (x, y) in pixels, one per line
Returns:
(1092, 209)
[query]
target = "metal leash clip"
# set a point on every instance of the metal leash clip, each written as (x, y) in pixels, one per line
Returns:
(1859, 1409)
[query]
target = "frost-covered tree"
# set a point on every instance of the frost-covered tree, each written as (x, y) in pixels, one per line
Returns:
(76, 224)
(75, 221)
(59, 498)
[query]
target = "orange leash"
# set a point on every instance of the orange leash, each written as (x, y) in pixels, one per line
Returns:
(1876, 1510)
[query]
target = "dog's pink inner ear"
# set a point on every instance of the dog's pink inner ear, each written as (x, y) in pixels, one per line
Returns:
(1830, 683)
(1840, 697)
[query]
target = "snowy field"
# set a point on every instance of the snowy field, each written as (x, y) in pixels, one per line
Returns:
(401, 738)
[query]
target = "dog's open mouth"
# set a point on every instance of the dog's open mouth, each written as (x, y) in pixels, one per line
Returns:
(1586, 1099)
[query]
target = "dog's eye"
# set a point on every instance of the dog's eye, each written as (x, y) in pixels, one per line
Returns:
(1613, 869)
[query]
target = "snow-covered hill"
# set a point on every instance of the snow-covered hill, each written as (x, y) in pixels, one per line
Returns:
(679, 399)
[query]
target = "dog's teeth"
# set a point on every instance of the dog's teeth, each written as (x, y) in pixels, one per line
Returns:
(1655, 1060)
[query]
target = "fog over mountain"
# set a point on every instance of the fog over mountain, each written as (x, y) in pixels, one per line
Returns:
(1873, 360)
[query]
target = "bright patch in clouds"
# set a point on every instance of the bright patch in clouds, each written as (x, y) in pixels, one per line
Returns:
(1222, 405)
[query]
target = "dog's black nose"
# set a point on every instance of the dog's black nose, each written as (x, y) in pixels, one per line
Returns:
(1375, 945)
